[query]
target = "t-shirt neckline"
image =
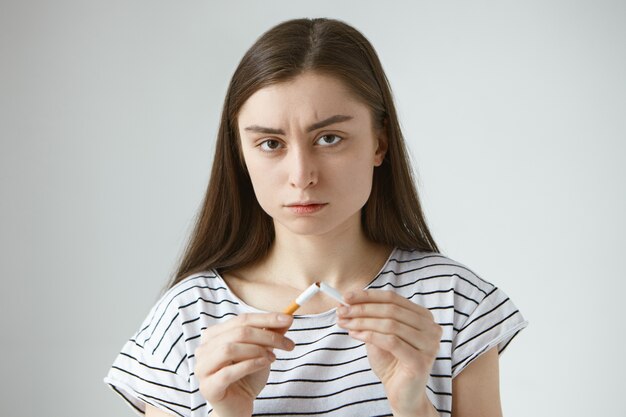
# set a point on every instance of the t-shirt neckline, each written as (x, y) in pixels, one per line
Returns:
(253, 309)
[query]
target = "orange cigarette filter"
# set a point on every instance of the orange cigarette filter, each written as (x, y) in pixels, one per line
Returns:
(302, 298)
(291, 308)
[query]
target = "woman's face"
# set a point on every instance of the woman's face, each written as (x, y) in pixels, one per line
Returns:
(310, 148)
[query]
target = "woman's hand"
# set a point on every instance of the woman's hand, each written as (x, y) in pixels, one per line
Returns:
(233, 360)
(402, 341)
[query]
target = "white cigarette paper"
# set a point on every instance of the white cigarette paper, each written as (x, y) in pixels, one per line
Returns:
(302, 298)
(310, 292)
(333, 293)
(307, 294)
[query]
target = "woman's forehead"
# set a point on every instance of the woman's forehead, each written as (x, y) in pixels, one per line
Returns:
(309, 96)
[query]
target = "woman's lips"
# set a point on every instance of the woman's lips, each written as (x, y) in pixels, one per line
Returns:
(306, 208)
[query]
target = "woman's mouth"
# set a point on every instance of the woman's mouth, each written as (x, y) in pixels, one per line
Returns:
(306, 208)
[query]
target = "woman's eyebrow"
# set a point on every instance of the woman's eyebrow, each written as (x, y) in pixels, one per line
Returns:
(317, 125)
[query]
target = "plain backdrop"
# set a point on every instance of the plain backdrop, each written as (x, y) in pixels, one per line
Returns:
(514, 112)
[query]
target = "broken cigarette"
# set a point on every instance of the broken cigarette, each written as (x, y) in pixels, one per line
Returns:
(302, 298)
(310, 292)
(330, 291)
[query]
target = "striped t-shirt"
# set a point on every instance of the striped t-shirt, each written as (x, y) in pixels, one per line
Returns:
(328, 373)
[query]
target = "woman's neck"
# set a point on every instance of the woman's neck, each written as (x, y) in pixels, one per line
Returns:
(344, 259)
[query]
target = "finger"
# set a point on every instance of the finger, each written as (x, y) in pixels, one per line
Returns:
(421, 340)
(393, 344)
(250, 335)
(384, 296)
(277, 321)
(386, 310)
(215, 386)
(231, 353)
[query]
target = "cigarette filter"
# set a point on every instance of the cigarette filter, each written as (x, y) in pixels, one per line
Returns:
(302, 298)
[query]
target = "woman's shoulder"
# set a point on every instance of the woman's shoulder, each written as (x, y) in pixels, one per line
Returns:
(478, 314)
(182, 299)
(415, 267)
(206, 284)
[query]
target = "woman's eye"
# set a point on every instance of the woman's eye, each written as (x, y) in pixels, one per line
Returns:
(270, 145)
(329, 140)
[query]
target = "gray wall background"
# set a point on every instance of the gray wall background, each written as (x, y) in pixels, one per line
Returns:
(515, 117)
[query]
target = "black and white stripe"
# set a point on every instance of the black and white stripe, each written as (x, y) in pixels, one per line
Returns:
(328, 372)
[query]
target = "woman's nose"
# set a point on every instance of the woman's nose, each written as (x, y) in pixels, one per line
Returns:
(303, 172)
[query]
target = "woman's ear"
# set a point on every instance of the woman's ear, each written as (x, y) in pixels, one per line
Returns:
(383, 144)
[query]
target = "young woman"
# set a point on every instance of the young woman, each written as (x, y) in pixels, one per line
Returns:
(311, 182)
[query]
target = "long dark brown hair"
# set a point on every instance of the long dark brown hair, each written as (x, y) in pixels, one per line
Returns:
(231, 229)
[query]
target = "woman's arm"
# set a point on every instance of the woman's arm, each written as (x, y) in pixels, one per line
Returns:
(476, 390)
(155, 412)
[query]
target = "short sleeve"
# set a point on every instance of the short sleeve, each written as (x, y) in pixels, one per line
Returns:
(152, 368)
(494, 322)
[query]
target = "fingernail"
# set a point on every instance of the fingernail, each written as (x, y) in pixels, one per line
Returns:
(288, 344)
(283, 318)
(342, 311)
